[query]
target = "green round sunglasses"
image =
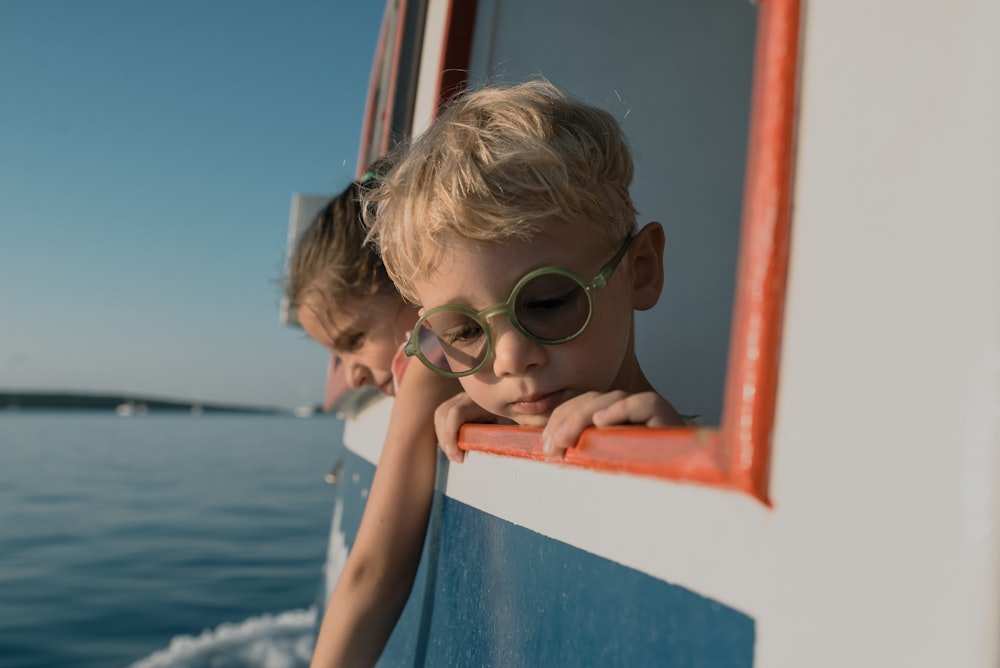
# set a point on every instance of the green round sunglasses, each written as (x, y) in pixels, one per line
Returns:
(549, 305)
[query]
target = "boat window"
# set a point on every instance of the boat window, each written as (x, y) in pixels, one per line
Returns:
(705, 92)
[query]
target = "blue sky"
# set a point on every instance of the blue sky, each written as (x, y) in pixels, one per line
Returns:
(148, 155)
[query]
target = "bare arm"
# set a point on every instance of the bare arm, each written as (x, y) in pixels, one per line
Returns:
(370, 594)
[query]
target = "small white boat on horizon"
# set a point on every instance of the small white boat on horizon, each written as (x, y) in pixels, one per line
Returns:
(128, 408)
(305, 410)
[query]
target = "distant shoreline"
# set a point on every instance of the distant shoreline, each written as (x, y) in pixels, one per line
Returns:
(122, 404)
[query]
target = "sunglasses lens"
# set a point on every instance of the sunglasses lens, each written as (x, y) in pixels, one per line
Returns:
(552, 307)
(456, 334)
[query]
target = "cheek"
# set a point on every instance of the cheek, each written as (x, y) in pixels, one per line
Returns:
(481, 393)
(386, 354)
(597, 356)
(380, 352)
(614, 319)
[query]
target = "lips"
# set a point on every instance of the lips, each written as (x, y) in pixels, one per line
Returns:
(539, 404)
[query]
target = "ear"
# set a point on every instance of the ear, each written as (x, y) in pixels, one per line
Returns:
(646, 264)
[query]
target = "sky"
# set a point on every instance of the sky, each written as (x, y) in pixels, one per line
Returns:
(149, 152)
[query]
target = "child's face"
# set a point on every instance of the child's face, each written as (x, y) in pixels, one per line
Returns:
(524, 381)
(364, 334)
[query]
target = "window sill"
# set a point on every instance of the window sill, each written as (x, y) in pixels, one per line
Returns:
(682, 454)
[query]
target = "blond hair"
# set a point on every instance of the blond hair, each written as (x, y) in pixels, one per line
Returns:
(499, 164)
(332, 261)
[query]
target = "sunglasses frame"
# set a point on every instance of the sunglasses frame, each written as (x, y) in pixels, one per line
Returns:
(482, 318)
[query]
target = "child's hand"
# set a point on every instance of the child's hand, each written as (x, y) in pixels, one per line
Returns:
(605, 409)
(449, 418)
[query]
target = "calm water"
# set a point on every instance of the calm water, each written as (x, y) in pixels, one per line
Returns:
(161, 540)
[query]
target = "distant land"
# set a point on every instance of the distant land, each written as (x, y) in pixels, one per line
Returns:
(123, 404)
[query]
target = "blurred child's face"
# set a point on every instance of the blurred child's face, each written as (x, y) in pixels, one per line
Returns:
(364, 334)
(524, 381)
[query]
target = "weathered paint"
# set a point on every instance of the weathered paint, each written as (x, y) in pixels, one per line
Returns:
(507, 596)
(490, 592)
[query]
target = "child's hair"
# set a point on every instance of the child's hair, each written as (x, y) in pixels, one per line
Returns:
(499, 164)
(332, 260)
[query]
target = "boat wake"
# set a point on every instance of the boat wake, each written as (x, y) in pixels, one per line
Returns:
(284, 640)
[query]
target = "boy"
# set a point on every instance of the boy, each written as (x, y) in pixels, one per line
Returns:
(510, 222)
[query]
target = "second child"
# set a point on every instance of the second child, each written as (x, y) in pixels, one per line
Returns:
(344, 300)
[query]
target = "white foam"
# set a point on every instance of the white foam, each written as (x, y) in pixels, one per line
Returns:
(336, 551)
(284, 640)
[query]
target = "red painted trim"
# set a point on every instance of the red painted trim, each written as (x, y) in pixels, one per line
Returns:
(751, 387)
(678, 454)
(736, 456)
(390, 92)
(456, 49)
(371, 102)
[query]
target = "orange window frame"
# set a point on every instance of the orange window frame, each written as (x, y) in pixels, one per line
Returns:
(736, 455)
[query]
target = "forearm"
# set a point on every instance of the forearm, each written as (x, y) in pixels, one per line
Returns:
(362, 612)
(372, 590)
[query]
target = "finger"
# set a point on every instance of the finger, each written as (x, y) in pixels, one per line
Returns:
(570, 419)
(449, 418)
(646, 408)
(448, 421)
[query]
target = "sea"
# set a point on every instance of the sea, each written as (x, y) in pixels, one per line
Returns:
(156, 541)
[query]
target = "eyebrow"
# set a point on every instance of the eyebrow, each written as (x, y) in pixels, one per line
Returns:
(340, 340)
(353, 324)
(336, 338)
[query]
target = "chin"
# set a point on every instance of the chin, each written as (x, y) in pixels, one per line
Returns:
(531, 420)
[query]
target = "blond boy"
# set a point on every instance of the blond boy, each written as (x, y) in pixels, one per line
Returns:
(510, 222)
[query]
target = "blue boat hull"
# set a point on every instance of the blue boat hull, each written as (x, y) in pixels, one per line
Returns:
(490, 592)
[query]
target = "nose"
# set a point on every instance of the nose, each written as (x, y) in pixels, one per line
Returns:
(513, 353)
(357, 375)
